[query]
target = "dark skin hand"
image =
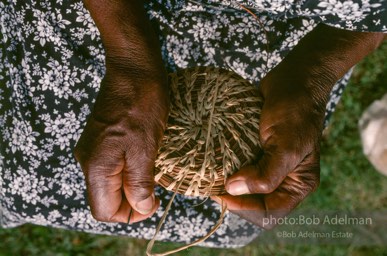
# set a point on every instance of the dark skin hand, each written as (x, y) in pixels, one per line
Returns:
(119, 144)
(295, 96)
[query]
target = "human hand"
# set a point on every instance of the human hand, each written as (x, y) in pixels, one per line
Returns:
(295, 95)
(291, 123)
(119, 144)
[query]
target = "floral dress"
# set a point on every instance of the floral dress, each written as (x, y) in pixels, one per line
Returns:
(51, 66)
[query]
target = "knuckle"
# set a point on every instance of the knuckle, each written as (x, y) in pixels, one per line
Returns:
(141, 143)
(265, 186)
(101, 216)
(90, 169)
(141, 186)
(292, 155)
(95, 179)
(271, 186)
(140, 162)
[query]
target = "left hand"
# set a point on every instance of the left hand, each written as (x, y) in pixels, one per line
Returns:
(295, 95)
(290, 131)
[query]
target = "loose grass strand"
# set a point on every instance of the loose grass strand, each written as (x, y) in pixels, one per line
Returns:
(212, 131)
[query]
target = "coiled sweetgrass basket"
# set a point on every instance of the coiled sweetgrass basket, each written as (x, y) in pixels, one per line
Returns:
(212, 130)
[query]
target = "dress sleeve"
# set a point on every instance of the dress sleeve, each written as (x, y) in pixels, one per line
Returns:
(357, 15)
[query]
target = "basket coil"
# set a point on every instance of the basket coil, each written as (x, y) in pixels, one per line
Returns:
(212, 130)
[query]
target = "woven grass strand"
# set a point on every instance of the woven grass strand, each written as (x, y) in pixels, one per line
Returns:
(162, 220)
(213, 130)
(214, 187)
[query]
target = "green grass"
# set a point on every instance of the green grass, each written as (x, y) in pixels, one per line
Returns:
(348, 182)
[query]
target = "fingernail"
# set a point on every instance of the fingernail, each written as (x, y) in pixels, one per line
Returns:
(238, 187)
(145, 206)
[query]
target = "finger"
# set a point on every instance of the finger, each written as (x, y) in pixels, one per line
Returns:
(265, 176)
(126, 213)
(102, 163)
(104, 173)
(265, 210)
(138, 177)
(136, 216)
(287, 136)
(104, 191)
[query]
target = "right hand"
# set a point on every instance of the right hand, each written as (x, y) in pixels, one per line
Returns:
(119, 144)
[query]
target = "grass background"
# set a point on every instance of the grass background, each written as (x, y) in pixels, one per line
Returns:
(348, 182)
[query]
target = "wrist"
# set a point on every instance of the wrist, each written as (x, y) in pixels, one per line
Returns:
(123, 101)
(125, 29)
(134, 66)
(320, 59)
(135, 71)
(333, 50)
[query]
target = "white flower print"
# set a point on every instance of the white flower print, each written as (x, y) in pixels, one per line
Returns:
(204, 30)
(69, 178)
(52, 62)
(347, 10)
(28, 186)
(44, 32)
(64, 128)
(60, 79)
(48, 27)
(23, 138)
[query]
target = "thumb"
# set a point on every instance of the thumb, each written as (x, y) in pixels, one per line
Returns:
(265, 176)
